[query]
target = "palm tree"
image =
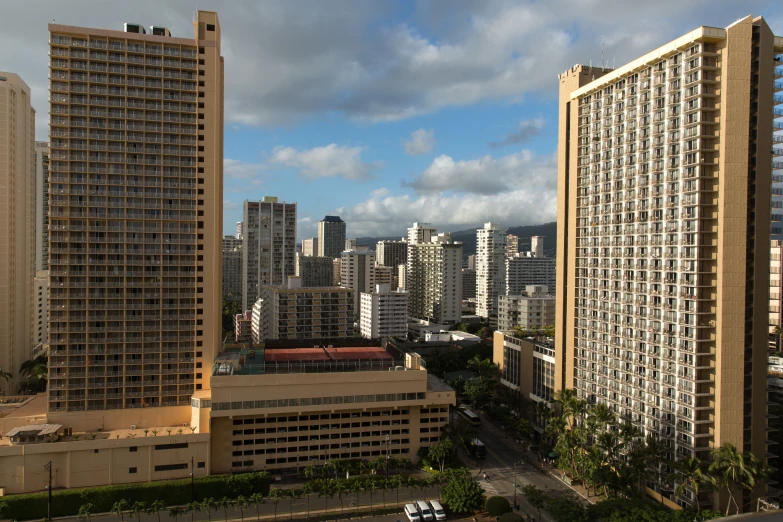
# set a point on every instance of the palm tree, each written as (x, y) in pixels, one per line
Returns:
(689, 473)
(292, 495)
(4, 375)
(307, 490)
(371, 487)
(37, 371)
(85, 511)
(156, 507)
(396, 483)
(176, 512)
(256, 499)
(655, 453)
(241, 503)
(341, 487)
(225, 503)
(118, 508)
(276, 495)
(728, 467)
(609, 445)
(326, 491)
(310, 472)
(193, 508)
(208, 504)
(384, 487)
(137, 509)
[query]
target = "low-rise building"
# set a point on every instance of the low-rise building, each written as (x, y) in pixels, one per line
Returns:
(384, 313)
(526, 365)
(534, 308)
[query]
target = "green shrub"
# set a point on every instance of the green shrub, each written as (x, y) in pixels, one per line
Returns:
(497, 506)
(173, 492)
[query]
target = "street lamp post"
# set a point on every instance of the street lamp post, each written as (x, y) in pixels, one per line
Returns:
(387, 456)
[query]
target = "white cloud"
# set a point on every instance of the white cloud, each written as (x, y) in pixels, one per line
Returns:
(242, 171)
(422, 141)
(527, 129)
(487, 175)
(326, 162)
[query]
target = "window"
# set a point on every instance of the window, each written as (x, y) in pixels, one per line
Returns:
(133, 449)
(131, 470)
(178, 445)
(210, 27)
(171, 467)
(201, 464)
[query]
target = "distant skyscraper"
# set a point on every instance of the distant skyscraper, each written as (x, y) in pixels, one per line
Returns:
(269, 246)
(468, 283)
(240, 230)
(357, 271)
(402, 276)
(391, 253)
(534, 308)
(472, 262)
(421, 233)
(315, 271)
(331, 236)
(232, 273)
(665, 168)
(490, 269)
(310, 247)
(384, 313)
(434, 279)
(512, 244)
(350, 245)
(41, 205)
(17, 226)
(537, 246)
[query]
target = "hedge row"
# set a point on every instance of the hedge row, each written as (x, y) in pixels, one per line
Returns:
(173, 492)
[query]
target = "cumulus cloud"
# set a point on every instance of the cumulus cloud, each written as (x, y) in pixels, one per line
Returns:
(527, 129)
(422, 141)
(326, 162)
(237, 170)
(487, 175)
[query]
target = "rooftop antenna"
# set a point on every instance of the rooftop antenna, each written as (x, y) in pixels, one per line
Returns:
(602, 51)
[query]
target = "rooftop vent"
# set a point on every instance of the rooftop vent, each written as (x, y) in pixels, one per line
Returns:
(134, 28)
(159, 31)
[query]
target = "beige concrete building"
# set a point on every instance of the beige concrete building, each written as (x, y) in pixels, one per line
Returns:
(41, 205)
(490, 269)
(296, 312)
(331, 236)
(434, 279)
(534, 308)
(269, 246)
(337, 271)
(512, 244)
(305, 406)
(402, 276)
(357, 272)
(310, 247)
(421, 233)
(136, 214)
(391, 253)
(527, 365)
(775, 291)
(383, 313)
(663, 229)
(243, 327)
(17, 226)
(385, 275)
(41, 305)
(314, 270)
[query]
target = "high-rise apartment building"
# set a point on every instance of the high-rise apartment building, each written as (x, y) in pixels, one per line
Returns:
(391, 253)
(490, 269)
(256, 322)
(434, 280)
(337, 271)
(663, 237)
(242, 327)
(232, 274)
(231, 242)
(41, 305)
(240, 230)
(383, 313)
(468, 283)
(136, 217)
(315, 271)
(269, 246)
(775, 291)
(357, 271)
(331, 236)
(17, 226)
(512, 244)
(421, 233)
(350, 245)
(537, 246)
(41, 205)
(310, 246)
(534, 308)
(385, 275)
(402, 276)
(296, 312)
(472, 262)
(523, 270)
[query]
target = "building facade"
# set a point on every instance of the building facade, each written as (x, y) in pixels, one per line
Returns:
(41, 304)
(468, 283)
(391, 253)
(296, 312)
(512, 245)
(243, 327)
(527, 365)
(357, 272)
(315, 271)
(384, 313)
(231, 242)
(402, 276)
(490, 269)
(135, 263)
(775, 291)
(421, 233)
(535, 308)
(331, 236)
(41, 205)
(537, 246)
(269, 246)
(232, 273)
(434, 280)
(523, 270)
(17, 226)
(663, 238)
(310, 247)
(385, 275)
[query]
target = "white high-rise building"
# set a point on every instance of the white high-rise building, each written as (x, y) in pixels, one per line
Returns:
(269, 246)
(523, 269)
(421, 233)
(537, 246)
(357, 271)
(535, 307)
(384, 313)
(315, 271)
(41, 205)
(490, 268)
(256, 322)
(240, 230)
(310, 246)
(472, 262)
(434, 279)
(402, 276)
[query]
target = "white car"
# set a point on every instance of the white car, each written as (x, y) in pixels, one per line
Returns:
(424, 510)
(412, 513)
(437, 510)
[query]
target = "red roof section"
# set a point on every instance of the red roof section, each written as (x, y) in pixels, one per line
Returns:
(326, 354)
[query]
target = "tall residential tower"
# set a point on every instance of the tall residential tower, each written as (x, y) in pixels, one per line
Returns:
(331, 236)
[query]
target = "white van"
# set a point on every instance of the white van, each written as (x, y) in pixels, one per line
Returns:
(424, 510)
(437, 510)
(412, 513)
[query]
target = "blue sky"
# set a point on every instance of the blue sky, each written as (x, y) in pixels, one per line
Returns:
(390, 112)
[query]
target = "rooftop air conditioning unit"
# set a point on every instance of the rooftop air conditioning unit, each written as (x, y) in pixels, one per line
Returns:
(133, 426)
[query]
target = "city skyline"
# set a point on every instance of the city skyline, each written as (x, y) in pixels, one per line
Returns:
(385, 151)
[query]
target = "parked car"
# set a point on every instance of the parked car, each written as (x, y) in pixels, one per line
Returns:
(437, 510)
(424, 510)
(412, 513)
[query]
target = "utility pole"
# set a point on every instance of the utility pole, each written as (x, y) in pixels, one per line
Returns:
(48, 467)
